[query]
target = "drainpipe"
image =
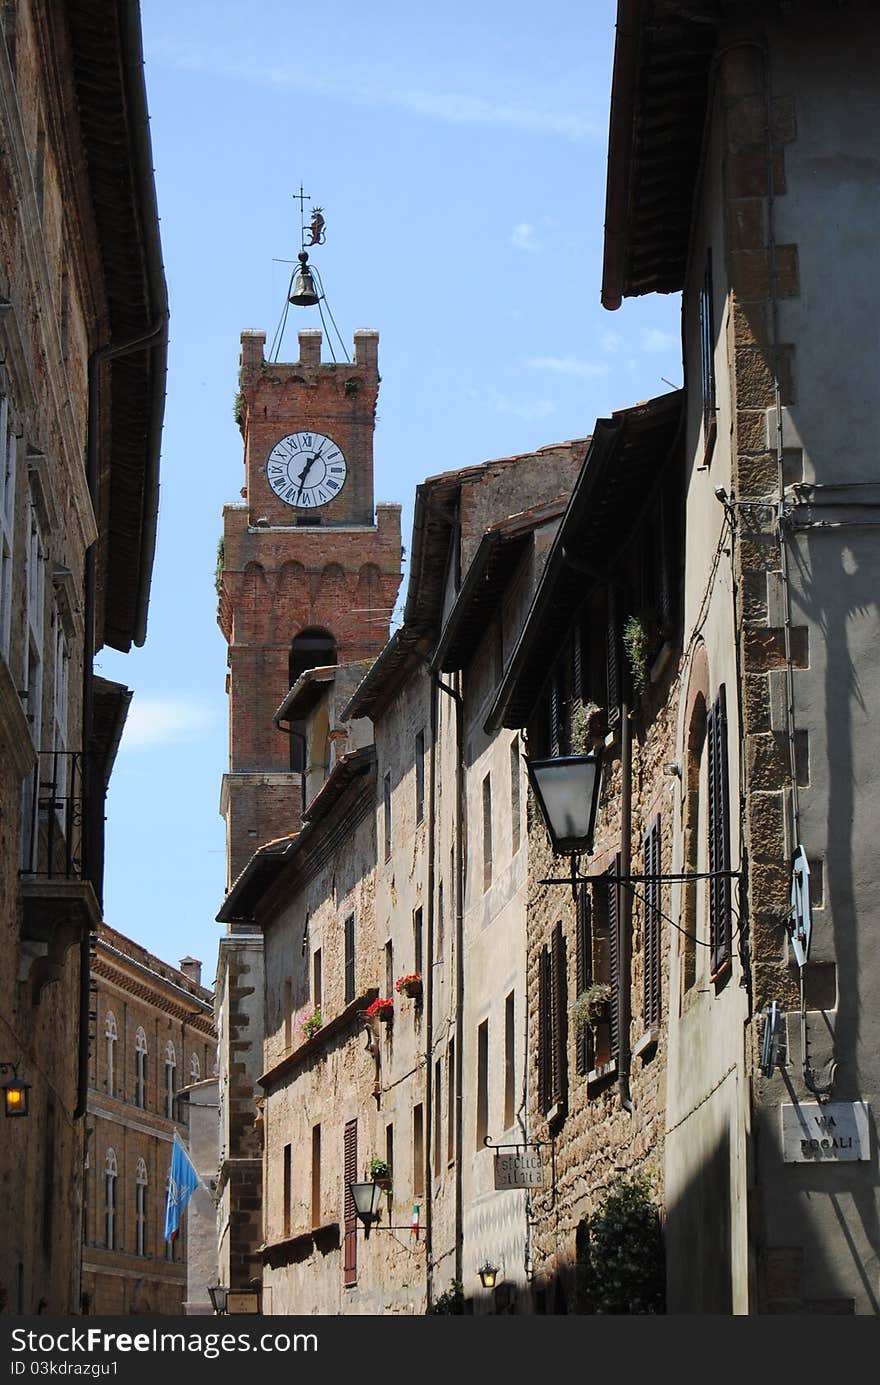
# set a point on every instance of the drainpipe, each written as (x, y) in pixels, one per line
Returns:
(428, 967)
(625, 910)
(455, 694)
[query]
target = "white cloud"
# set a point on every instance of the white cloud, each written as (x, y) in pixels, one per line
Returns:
(531, 409)
(154, 721)
(611, 342)
(567, 365)
(655, 340)
(452, 108)
(522, 237)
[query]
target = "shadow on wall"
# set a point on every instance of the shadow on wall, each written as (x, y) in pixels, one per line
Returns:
(698, 1230)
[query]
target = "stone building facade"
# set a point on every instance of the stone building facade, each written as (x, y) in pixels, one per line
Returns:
(307, 577)
(83, 318)
(770, 198)
(154, 1038)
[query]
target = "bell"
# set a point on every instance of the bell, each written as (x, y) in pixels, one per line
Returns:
(304, 294)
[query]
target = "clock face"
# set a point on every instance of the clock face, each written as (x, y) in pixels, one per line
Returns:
(306, 470)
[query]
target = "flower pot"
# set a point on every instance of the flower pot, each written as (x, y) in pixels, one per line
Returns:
(384, 1182)
(387, 1015)
(413, 989)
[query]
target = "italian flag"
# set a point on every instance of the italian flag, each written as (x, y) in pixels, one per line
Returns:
(415, 1220)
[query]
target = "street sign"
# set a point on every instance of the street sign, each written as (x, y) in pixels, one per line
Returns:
(831, 1133)
(523, 1169)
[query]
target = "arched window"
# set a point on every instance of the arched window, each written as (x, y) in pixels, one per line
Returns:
(194, 1069)
(170, 1065)
(140, 1208)
(694, 798)
(140, 1068)
(313, 648)
(110, 1171)
(111, 1035)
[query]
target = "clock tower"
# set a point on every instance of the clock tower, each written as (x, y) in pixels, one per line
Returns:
(308, 572)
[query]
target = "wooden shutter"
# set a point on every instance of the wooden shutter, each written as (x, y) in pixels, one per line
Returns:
(350, 1216)
(583, 973)
(554, 716)
(544, 1099)
(719, 834)
(612, 658)
(652, 965)
(614, 954)
(349, 959)
(559, 1015)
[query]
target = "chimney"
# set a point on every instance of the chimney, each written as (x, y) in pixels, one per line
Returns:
(191, 969)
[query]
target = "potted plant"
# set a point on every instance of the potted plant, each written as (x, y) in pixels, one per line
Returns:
(591, 1006)
(380, 1172)
(311, 1022)
(409, 985)
(382, 1009)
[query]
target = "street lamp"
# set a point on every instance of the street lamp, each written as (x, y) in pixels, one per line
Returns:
(566, 788)
(366, 1198)
(16, 1092)
(218, 1294)
(488, 1275)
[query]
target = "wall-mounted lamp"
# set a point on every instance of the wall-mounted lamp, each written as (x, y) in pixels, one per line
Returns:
(566, 788)
(218, 1294)
(16, 1092)
(366, 1202)
(488, 1275)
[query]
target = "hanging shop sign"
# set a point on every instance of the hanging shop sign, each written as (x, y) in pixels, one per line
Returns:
(520, 1169)
(832, 1133)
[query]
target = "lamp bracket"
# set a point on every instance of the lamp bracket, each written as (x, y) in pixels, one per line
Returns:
(519, 1144)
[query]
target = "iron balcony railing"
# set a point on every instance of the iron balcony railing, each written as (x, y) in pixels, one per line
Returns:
(52, 817)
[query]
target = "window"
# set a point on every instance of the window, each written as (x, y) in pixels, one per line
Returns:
(111, 1035)
(389, 968)
(110, 1172)
(140, 1209)
(312, 648)
(720, 930)
(389, 1146)
(288, 1012)
(316, 1175)
(584, 1045)
(552, 1016)
(386, 804)
(286, 1185)
(7, 515)
(438, 1116)
(349, 959)
(349, 1164)
(604, 1037)
(694, 843)
(450, 1101)
(418, 1151)
(420, 776)
(482, 1083)
(317, 979)
(32, 677)
(170, 1065)
(509, 1061)
(140, 1068)
(487, 832)
(515, 812)
(418, 951)
(653, 929)
(195, 1072)
(441, 921)
(707, 350)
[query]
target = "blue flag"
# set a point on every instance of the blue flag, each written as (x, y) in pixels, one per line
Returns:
(182, 1182)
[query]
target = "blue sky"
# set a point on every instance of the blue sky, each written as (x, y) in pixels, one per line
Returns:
(459, 155)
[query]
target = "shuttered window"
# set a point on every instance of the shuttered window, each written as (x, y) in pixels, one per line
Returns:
(614, 955)
(612, 657)
(350, 1216)
(349, 959)
(583, 974)
(719, 835)
(707, 346)
(652, 972)
(552, 1020)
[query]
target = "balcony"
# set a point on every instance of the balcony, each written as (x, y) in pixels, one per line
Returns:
(58, 902)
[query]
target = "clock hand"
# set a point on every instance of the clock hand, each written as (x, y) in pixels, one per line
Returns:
(304, 473)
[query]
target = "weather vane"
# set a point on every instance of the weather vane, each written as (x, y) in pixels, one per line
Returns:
(305, 289)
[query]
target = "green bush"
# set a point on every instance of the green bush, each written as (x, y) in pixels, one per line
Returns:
(620, 1252)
